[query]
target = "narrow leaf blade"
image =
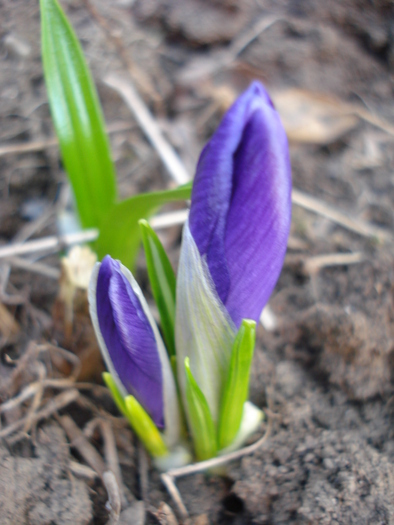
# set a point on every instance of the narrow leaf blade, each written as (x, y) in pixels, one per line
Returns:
(77, 117)
(201, 423)
(113, 388)
(145, 428)
(236, 388)
(120, 234)
(162, 280)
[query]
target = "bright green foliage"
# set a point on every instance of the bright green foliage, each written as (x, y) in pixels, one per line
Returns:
(77, 117)
(84, 145)
(120, 234)
(113, 388)
(163, 282)
(236, 388)
(145, 428)
(201, 423)
(139, 420)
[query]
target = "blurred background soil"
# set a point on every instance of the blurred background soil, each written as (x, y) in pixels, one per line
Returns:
(325, 357)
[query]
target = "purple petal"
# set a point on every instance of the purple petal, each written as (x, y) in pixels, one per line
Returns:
(129, 339)
(241, 204)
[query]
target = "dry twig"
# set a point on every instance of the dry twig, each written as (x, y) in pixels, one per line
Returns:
(82, 471)
(113, 492)
(78, 441)
(149, 126)
(138, 75)
(53, 243)
(39, 145)
(51, 407)
(35, 267)
(112, 459)
(57, 243)
(168, 478)
(321, 208)
(203, 66)
(314, 264)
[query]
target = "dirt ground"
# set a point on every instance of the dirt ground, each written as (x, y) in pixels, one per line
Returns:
(325, 358)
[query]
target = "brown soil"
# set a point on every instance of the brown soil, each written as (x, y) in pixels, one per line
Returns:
(327, 367)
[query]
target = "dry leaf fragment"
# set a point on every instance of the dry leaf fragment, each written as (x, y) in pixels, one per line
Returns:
(72, 326)
(77, 268)
(165, 515)
(8, 326)
(315, 118)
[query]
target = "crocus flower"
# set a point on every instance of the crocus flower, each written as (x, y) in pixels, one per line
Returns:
(132, 346)
(235, 240)
(232, 252)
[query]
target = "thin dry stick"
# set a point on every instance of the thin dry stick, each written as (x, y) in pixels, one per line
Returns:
(57, 243)
(168, 478)
(221, 460)
(36, 399)
(33, 388)
(82, 471)
(52, 243)
(139, 76)
(111, 484)
(173, 491)
(68, 356)
(111, 456)
(39, 145)
(246, 38)
(26, 393)
(143, 471)
(53, 406)
(373, 119)
(35, 267)
(223, 59)
(166, 220)
(321, 208)
(34, 226)
(149, 126)
(78, 441)
(314, 264)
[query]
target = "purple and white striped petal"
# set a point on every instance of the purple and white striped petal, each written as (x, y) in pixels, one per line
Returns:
(131, 344)
(235, 240)
(241, 204)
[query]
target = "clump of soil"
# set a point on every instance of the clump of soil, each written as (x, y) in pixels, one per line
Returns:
(325, 362)
(39, 490)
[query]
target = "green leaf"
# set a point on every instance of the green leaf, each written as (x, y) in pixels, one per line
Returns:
(145, 428)
(162, 280)
(77, 117)
(120, 234)
(113, 388)
(201, 423)
(236, 388)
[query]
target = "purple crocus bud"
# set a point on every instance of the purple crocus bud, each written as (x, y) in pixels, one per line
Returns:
(241, 204)
(131, 344)
(235, 240)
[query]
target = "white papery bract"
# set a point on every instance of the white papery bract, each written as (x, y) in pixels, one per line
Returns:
(204, 331)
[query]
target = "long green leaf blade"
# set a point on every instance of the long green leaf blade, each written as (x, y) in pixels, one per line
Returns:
(113, 388)
(236, 388)
(162, 280)
(120, 235)
(145, 428)
(77, 117)
(201, 423)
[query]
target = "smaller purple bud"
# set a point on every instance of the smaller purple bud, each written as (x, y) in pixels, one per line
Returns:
(131, 344)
